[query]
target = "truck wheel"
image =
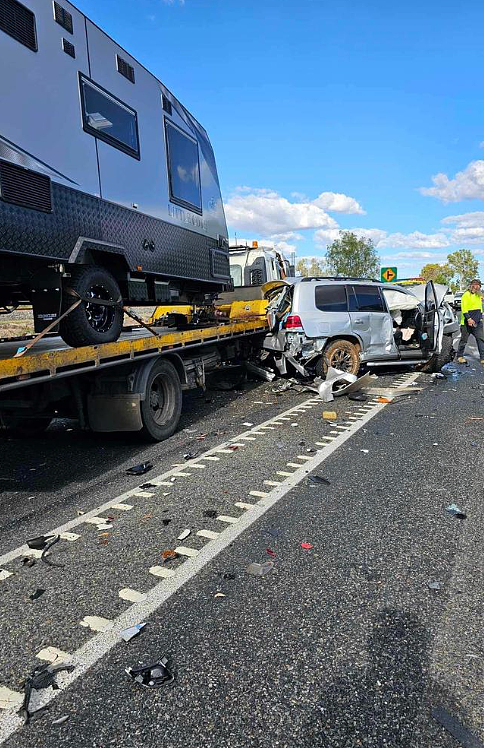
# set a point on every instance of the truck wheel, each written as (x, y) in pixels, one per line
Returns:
(26, 427)
(91, 324)
(161, 408)
(342, 355)
(438, 360)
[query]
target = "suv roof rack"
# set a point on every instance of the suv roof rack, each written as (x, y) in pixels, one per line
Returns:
(338, 278)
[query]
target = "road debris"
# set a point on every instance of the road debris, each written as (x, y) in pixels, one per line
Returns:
(227, 575)
(184, 534)
(259, 570)
(220, 594)
(382, 399)
(148, 485)
(131, 631)
(212, 513)
(365, 451)
(61, 720)
(190, 455)
(434, 585)
(45, 543)
(454, 510)
(38, 593)
(169, 555)
(454, 727)
(330, 415)
(141, 469)
(247, 424)
(317, 480)
(41, 677)
(153, 675)
(166, 522)
(233, 447)
(28, 561)
(307, 546)
(359, 397)
(271, 553)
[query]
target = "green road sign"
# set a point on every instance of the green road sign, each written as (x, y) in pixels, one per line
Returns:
(388, 275)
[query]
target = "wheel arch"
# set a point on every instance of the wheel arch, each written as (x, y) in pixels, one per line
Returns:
(144, 369)
(350, 338)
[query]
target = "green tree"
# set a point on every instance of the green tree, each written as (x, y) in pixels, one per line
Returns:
(313, 266)
(351, 256)
(464, 266)
(436, 272)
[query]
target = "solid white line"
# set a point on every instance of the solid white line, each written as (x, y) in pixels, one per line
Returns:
(100, 644)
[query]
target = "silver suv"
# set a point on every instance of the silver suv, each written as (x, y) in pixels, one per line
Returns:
(344, 322)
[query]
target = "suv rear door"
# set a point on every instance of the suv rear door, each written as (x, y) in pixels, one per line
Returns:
(371, 321)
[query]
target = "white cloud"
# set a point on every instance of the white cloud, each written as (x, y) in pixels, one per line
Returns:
(416, 240)
(287, 235)
(466, 220)
(323, 237)
(466, 185)
(339, 203)
(266, 212)
(481, 144)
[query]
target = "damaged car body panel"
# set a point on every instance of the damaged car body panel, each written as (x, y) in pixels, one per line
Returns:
(343, 322)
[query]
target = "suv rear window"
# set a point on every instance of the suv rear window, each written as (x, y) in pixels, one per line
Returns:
(331, 298)
(366, 299)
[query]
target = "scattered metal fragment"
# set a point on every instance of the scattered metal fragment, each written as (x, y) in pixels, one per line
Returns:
(454, 727)
(271, 553)
(365, 451)
(359, 397)
(190, 455)
(318, 480)
(454, 510)
(247, 424)
(212, 513)
(28, 561)
(219, 594)
(259, 570)
(47, 548)
(42, 677)
(131, 631)
(166, 522)
(184, 534)
(307, 546)
(434, 585)
(139, 469)
(233, 447)
(153, 675)
(61, 720)
(38, 593)
(148, 485)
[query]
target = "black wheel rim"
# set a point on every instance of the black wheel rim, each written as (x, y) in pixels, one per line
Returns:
(342, 359)
(157, 399)
(100, 318)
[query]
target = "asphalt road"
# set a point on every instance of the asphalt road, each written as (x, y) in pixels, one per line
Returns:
(341, 644)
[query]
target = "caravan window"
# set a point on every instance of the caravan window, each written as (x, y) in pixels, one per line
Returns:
(183, 168)
(109, 119)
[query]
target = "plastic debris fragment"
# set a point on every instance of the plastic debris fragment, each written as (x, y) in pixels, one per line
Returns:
(148, 485)
(169, 556)
(316, 480)
(42, 677)
(306, 546)
(139, 469)
(359, 397)
(454, 727)
(454, 510)
(259, 570)
(434, 585)
(212, 513)
(330, 415)
(365, 451)
(38, 593)
(184, 534)
(271, 553)
(61, 720)
(166, 522)
(219, 594)
(153, 675)
(131, 631)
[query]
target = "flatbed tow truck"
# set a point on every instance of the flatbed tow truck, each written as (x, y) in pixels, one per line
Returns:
(133, 384)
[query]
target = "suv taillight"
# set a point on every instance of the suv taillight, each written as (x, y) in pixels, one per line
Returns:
(293, 322)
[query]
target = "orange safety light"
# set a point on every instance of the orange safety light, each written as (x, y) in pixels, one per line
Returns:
(255, 245)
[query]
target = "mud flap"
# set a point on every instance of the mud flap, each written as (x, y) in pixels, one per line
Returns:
(120, 412)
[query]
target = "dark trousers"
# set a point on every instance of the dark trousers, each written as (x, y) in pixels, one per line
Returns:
(477, 332)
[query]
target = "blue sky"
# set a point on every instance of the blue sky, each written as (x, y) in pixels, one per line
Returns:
(328, 115)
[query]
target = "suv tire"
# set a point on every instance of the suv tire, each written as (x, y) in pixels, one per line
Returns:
(342, 355)
(91, 324)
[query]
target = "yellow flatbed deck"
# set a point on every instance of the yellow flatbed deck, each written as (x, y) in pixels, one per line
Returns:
(51, 357)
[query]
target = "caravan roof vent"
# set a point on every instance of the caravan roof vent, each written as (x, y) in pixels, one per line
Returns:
(166, 104)
(25, 187)
(63, 17)
(18, 22)
(69, 48)
(125, 69)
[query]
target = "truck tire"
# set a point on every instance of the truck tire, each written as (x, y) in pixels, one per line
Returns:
(161, 407)
(91, 324)
(342, 355)
(438, 360)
